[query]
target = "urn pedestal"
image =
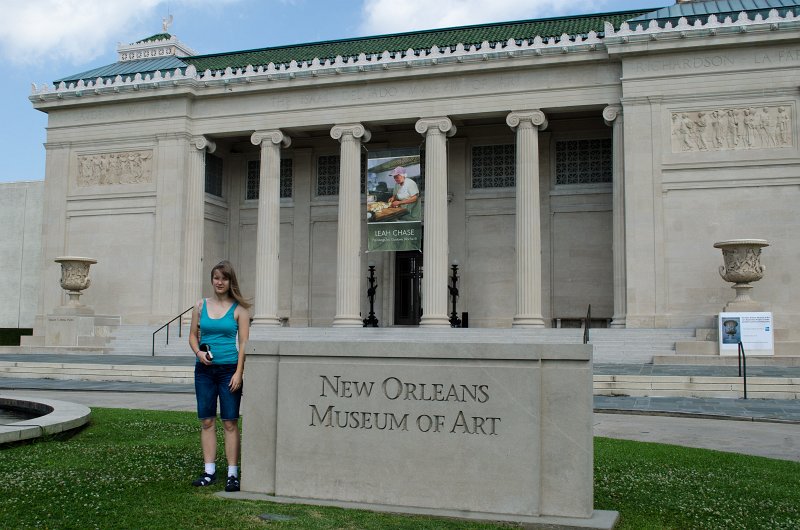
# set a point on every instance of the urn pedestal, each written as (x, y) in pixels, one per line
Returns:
(74, 279)
(73, 325)
(742, 266)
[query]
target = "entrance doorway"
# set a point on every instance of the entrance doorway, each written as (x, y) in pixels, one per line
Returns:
(407, 281)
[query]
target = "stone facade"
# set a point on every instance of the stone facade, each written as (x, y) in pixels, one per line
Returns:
(698, 123)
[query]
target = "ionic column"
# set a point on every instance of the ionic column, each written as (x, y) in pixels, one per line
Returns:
(435, 243)
(613, 117)
(269, 223)
(193, 221)
(348, 258)
(528, 236)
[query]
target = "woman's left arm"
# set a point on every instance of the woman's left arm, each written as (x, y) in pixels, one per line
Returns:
(242, 316)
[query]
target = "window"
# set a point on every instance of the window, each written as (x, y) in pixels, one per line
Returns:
(494, 166)
(584, 161)
(328, 174)
(253, 178)
(213, 175)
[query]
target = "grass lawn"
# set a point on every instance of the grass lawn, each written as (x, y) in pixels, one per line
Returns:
(133, 469)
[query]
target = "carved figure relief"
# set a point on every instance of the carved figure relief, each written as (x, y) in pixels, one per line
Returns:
(131, 167)
(726, 129)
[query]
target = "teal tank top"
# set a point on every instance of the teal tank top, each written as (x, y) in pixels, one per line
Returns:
(220, 335)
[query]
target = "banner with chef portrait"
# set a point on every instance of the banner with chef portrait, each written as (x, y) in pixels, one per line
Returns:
(394, 200)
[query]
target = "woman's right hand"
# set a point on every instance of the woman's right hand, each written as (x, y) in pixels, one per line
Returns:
(203, 357)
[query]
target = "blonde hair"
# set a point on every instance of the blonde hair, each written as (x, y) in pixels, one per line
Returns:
(227, 271)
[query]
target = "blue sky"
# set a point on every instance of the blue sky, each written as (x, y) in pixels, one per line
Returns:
(42, 40)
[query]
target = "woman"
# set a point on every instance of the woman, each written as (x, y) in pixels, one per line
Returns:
(216, 322)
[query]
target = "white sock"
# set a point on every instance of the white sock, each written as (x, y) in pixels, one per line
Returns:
(233, 471)
(211, 468)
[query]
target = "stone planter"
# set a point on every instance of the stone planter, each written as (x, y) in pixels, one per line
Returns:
(742, 266)
(75, 277)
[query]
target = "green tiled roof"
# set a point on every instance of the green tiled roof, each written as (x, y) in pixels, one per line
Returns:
(721, 8)
(467, 35)
(157, 36)
(128, 68)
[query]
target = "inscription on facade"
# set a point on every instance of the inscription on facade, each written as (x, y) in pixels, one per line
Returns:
(731, 128)
(689, 63)
(130, 167)
(463, 418)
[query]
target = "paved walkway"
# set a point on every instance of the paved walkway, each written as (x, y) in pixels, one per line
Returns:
(741, 409)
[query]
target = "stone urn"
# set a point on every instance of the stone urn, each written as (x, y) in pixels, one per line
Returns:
(742, 266)
(75, 277)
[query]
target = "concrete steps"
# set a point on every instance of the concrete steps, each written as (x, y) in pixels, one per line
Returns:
(604, 384)
(703, 349)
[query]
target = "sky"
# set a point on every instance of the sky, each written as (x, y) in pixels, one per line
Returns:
(43, 40)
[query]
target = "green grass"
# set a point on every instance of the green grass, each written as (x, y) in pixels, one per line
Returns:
(133, 469)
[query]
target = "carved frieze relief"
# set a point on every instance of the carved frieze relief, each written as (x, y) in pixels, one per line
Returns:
(732, 128)
(129, 167)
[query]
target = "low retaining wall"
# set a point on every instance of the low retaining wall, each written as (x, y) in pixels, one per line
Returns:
(58, 416)
(494, 430)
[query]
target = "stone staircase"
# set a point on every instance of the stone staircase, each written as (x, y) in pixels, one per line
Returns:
(622, 359)
(703, 349)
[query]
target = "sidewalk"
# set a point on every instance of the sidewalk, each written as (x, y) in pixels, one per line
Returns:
(772, 410)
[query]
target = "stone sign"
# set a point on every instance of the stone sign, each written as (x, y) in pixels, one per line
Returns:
(498, 430)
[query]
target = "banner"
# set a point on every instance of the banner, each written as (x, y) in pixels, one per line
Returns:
(394, 200)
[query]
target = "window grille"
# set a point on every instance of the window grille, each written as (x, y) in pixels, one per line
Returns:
(213, 175)
(494, 166)
(587, 161)
(253, 178)
(328, 174)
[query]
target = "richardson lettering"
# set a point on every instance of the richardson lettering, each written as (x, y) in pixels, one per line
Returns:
(346, 389)
(343, 419)
(475, 425)
(394, 388)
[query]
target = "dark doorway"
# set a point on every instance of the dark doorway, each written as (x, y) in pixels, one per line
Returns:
(407, 276)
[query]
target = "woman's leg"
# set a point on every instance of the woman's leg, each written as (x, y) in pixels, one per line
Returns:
(232, 441)
(208, 439)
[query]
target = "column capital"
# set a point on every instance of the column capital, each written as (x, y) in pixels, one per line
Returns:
(536, 117)
(610, 113)
(201, 142)
(276, 136)
(356, 130)
(440, 123)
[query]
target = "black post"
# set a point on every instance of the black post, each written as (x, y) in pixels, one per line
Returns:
(743, 367)
(371, 320)
(455, 322)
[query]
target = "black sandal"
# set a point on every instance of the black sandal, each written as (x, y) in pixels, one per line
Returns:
(206, 479)
(232, 484)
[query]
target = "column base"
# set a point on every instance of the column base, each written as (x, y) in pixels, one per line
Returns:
(271, 321)
(527, 322)
(348, 321)
(434, 321)
(617, 323)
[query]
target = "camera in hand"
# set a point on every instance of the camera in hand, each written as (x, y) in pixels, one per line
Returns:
(206, 348)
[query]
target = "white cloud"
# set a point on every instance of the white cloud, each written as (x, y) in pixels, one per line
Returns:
(395, 16)
(73, 31)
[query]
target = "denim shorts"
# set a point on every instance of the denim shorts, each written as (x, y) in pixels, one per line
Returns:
(210, 383)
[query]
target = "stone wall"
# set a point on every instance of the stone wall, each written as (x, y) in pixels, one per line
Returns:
(20, 251)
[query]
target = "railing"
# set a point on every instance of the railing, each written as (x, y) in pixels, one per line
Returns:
(153, 352)
(587, 325)
(743, 367)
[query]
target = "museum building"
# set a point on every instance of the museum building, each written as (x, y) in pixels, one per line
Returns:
(565, 162)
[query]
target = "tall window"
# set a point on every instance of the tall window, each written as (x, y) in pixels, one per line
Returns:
(328, 174)
(253, 178)
(213, 175)
(493, 166)
(584, 161)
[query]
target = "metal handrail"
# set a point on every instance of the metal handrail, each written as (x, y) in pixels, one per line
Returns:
(153, 352)
(588, 325)
(743, 367)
